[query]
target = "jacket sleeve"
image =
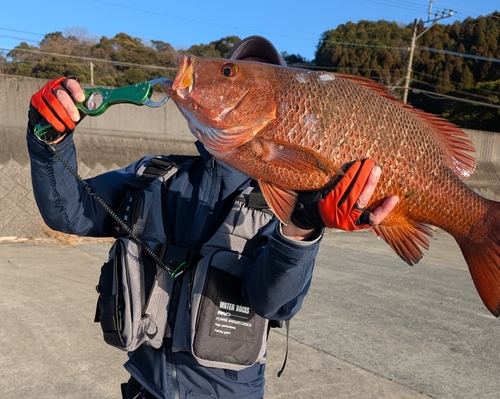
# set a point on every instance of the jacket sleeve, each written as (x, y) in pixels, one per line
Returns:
(276, 284)
(63, 201)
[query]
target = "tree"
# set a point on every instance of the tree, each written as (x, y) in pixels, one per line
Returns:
(377, 50)
(295, 59)
(367, 48)
(473, 116)
(374, 49)
(219, 48)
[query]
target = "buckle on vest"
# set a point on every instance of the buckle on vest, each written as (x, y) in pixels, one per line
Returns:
(178, 270)
(180, 259)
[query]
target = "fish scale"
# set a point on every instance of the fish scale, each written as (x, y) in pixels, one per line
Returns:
(293, 130)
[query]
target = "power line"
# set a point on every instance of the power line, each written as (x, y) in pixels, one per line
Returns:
(22, 31)
(437, 96)
(464, 55)
(465, 9)
(352, 44)
(453, 83)
(398, 4)
(452, 90)
(416, 91)
(405, 5)
(19, 38)
(430, 49)
(189, 19)
(129, 64)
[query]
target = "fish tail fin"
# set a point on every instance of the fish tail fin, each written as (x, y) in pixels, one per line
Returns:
(483, 257)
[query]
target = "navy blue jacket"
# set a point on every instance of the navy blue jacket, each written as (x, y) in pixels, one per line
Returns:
(199, 195)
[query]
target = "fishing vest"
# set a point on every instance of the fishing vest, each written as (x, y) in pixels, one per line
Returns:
(194, 296)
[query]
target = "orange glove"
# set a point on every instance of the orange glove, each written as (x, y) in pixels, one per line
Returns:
(335, 205)
(44, 105)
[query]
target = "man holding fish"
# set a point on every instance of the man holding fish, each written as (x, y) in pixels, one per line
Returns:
(199, 196)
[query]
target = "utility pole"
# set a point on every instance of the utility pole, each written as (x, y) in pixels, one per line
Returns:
(415, 37)
(429, 10)
(92, 73)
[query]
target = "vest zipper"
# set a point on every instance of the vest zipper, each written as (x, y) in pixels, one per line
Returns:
(212, 191)
(173, 371)
(169, 332)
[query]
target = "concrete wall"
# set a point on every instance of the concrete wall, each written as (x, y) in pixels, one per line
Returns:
(486, 178)
(122, 135)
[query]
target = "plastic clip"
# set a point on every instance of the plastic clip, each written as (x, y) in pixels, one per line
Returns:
(179, 270)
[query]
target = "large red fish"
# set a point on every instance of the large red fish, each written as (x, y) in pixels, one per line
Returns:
(292, 129)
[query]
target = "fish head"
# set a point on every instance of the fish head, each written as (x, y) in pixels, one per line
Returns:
(225, 102)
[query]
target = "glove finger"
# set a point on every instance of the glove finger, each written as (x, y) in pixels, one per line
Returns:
(57, 108)
(362, 221)
(356, 185)
(331, 212)
(341, 187)
(44, 110)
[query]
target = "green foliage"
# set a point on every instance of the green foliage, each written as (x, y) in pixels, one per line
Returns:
(469, 115)
(116, 61)
(370, 49)
(379, 50)
(219, 48)
(294, 59)
(373, 49)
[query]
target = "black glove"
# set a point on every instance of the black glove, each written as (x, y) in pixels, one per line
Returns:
(46, 108)
(335, 206)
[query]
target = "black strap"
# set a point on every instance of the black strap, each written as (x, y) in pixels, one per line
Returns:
(287, 325)
(256, 199)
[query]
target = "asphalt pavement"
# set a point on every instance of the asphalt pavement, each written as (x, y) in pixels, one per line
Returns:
(371, 327)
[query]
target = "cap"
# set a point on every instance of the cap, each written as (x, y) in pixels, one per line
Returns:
(257, 46)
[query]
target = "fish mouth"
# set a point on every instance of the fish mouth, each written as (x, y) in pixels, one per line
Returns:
(184, 81)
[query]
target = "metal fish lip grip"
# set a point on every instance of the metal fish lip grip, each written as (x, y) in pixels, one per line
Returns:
(99, 99)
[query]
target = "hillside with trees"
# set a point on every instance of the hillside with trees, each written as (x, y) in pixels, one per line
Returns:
(459, 60)
(456, 67)
(121, 60)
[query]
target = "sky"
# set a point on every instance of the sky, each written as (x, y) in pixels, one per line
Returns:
(293, 26)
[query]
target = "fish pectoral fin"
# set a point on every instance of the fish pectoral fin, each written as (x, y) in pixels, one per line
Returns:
(280, 200)
(406, 237)
(297, 158)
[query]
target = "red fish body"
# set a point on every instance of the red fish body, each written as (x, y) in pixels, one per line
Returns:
(292, 130)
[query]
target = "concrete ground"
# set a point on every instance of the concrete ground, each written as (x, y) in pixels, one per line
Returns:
(371, 326)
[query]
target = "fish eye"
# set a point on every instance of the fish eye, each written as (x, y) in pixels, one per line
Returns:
(229, 70)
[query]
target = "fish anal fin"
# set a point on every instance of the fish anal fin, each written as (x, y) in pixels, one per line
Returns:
(405, 237)
(456, 143)
(281, 201)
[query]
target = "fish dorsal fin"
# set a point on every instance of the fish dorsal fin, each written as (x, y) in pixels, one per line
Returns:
(370, 84)
(281, 201)
(405, 237)
(456, 144)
